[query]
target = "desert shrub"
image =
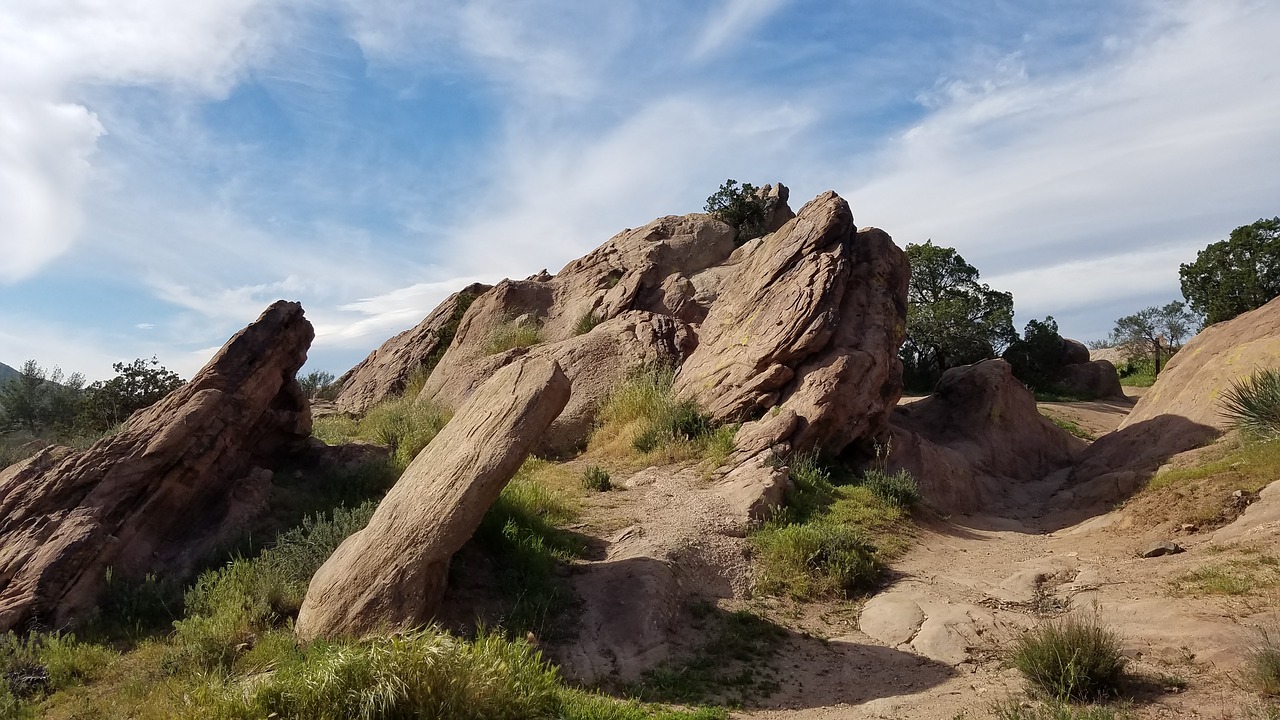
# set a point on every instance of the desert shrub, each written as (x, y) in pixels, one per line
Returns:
(1071, 658)
(899, 489)
(1262, 663)
(1253, 404)
(587, 323)
(513, 333)
(596, 478)
(815, 559)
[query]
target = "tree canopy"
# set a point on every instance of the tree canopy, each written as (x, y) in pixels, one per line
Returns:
(952, 319)
(1037, 358)
(740, 207)
(1155, 332)
(1235, 275)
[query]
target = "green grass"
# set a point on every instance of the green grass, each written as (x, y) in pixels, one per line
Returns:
(596, 479)
(1070, 426)
(1243, 575)
(36, 665)
(510, 334)
(587, 323)
(733, 666)
(1262, 663)
(1253, 404)
(832, 540)
(1139, 372)
(644, 416)
(402, 423)
(1014, 709)
(1071, 658)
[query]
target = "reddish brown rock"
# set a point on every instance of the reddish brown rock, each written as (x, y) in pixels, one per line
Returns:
(1096, 379)
(810, 319)
(977, 435)
(180, 478)
(391, 575)
(387, 370)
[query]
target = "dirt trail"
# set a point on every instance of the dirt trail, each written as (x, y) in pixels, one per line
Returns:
(970, 584)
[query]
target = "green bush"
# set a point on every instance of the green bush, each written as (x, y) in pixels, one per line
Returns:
(1262, 663)
(596, 478)
(1071, 658)
(1253, 404)
(815, 559)
(587, 323)
(899, 489)
(511, 334)
(404, 424)
(741, 207)
(39, 664)
(646, 408)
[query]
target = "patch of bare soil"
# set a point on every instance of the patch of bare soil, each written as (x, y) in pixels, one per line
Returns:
(1097, 417)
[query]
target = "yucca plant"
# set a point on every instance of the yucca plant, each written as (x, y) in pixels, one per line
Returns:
(1253, 404)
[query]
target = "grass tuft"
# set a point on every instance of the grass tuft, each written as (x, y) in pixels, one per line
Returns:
(1014, 709)
(1071, 659)
(587, 323)
(644, 414)
(898, 489)
(596, 478)
(510, 334)
(1262, 663)
(1253, 404)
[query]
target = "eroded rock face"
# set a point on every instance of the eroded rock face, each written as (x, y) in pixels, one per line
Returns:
(979, 432)
(181, 477)
(391, 575)
(810, 319)
(387, 370)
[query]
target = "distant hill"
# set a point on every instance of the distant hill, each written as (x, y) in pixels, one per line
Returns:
(6, 373)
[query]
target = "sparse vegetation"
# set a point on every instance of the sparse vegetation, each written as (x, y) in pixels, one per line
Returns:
(644, 413)
(1072, 658)
(1253, 404)
(1262, 663)
(832, 540)
(1070, 426)
(587, 322)
(402, 423)
(1015, 709)
(1242, 575)
(513, 333)
(1204, 494)
(596, 478)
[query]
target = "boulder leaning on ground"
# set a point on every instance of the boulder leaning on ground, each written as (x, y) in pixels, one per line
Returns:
(391, 575)
(809, 321)
(1182, 410)
(181, 477)
(977, 433)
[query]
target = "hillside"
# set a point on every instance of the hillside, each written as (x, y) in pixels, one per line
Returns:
(7, 373)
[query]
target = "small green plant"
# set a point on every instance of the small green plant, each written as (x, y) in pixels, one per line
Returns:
(899, 489)
(1262, 663)
(587, 322)
(514, 333)
(1072, 658)
(596, 478)
(1015, 709)
(1253, 404)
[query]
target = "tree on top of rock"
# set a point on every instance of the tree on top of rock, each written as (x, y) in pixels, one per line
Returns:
(1235, 275)
(1037, 358)
(1154, 331)
(952, 319)
(741, 207)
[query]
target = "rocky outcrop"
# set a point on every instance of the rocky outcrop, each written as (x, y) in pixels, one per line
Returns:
(809, 319)
(391, 575)
(180, 478)
(1091, 379)
(976, 435)
(1051, 362)
(387, 370)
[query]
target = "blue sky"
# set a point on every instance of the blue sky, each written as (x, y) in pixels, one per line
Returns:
(168, 169)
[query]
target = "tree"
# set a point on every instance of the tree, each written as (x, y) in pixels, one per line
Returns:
(1036, 359)
(1235, 275)
(317, 384)
(740, 207)
(137, 385)
(952, 319)
(37, 400)
(1157, 331)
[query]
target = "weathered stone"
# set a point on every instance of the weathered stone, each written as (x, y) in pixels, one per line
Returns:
(1160, 549)
(391, 575)
(387, 370)
(1073, 352)
(810, 319)
(180, 478)
(1096, 379)
(978, 433)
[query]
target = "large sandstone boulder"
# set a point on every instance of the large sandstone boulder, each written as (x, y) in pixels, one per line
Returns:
(1092, 379)
(1182, 410)
(391, 575)
(387, 370)
(180, 478)
(810, 320)
(978, 434)
(648, 268)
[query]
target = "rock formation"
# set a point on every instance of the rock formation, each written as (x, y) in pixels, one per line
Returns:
(180, 477)
(1055, 362)
(809, 319)
(979, 432)
(391, 574)
(387, 370)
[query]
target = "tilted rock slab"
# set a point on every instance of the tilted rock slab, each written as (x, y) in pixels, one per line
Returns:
(391, 575)
(180, 478)
(387, 370)
(810, 320)
(642, 269)
(976, 436)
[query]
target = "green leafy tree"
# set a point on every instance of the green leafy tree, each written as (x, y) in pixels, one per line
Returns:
(740, 207)
(318, 384)
(137, 385)
(952, 319)
(1235, 275)
(1154, 332)
(1036, 359)
(37, 400)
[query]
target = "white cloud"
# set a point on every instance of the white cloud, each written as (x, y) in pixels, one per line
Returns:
(734, 20)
